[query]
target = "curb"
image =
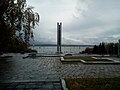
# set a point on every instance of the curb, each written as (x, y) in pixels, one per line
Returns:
(63, 83)
(63, 60)
(29, 81)
(113, 63)
(90, 63)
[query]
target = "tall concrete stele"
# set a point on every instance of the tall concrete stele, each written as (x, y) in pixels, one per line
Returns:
(59, 35)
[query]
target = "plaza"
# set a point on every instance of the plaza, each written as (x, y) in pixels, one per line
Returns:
(44, 73)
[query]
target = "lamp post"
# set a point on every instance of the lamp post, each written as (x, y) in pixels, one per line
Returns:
(32, 36)
(33, 44)
(79, 49)
(118, 47)
(114, 49)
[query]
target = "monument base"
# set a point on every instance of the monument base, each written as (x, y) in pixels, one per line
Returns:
(59, 52)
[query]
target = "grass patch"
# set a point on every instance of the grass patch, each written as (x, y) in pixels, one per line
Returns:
(71, 57)
(87, 59)
(103, 60)
(104, 56)
(93, 83)
(70, 62)
(78, 57)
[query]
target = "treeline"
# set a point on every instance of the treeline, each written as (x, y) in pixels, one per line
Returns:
(103, 48)
(16, 23)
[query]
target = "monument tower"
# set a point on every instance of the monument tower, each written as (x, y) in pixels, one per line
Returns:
(59, 35)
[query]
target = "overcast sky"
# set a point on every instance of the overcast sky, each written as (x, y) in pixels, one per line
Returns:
(84, 21)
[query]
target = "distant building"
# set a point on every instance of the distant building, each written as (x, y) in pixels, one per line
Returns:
(89, 50)
(59, 35)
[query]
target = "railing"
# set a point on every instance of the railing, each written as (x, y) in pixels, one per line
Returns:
(64, 45)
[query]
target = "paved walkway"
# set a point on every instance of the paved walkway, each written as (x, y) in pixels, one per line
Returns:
(47, 71)
(39, 85)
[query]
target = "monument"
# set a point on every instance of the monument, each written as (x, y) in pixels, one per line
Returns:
(59, 35)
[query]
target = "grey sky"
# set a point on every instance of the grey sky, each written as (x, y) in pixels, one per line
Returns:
(84, 21)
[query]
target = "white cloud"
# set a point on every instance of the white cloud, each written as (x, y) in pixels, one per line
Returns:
(84, 21)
